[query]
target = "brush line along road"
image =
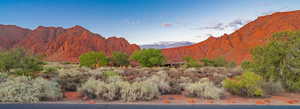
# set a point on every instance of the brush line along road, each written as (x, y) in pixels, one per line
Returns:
(138, 106)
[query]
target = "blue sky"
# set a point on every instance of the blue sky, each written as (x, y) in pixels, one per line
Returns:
(143, 21)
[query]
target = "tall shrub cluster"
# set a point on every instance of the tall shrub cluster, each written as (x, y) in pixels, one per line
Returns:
(148, 57)
(93, 59)
(279, 60)
(19, 62)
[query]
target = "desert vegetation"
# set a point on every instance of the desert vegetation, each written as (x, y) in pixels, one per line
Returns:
(274, 69)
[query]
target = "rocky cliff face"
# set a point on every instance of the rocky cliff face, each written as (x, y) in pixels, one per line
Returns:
(11, 35)
(59, 44)
(236, 46)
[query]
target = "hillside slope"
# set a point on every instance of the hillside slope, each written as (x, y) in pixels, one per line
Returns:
(59, 44)
(236, 46)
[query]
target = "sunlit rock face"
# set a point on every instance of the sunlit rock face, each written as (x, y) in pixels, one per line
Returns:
(236, 46)
(59, 44)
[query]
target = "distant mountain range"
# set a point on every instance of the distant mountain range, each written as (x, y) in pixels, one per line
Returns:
(167, 44)
(67, 44)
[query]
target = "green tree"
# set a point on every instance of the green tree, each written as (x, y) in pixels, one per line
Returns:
(93, 59)
(190, 62)
(279, 60)
(20, 62)
(120, 59)
(248, 84)
(148, 57)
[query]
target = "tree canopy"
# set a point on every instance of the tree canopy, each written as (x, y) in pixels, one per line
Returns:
(93, 59)
(278, 60)
(149, 57)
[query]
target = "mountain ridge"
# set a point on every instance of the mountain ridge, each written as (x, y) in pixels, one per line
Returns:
(62, 44)
(237, 45)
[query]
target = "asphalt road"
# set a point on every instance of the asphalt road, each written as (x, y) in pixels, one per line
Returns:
(135, 106)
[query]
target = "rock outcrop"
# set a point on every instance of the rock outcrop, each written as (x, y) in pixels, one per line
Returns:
(11, 35)
(59, 44)
(236, 46)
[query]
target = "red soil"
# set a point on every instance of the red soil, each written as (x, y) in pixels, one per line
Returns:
(72, 95)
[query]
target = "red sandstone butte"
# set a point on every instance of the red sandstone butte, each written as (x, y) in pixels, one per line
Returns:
(236, 46)
(59, 44)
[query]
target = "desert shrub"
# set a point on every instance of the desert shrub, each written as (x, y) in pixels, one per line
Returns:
(93, 59)
(177, 84)
(139, 91)
(91, 88)
(18, 89)
(129, 92)
(204, 88)
(279, 60)
(113, 79)
(108, 74)
(49, 90)
(112, 91)
(120, 59)
(272, 87)
(26, 90)
(3, 77)
(190, 62)
(148, 57)
(119, 90)
(248, 84)
(161, 80)
(71, 79)
(50, 70)
(20, 62)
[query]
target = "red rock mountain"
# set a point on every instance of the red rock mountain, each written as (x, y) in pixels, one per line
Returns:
(236, 46)
(59, 44)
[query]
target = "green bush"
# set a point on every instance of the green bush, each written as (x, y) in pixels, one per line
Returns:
(19, 62)
(248, 84)
(190, 62)
(93, 59)
(204, 88)
(148, 57)
(50, 70)
(217, 62)
(108, 74)
(279, 60)
(25, 90)
(120, 59)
